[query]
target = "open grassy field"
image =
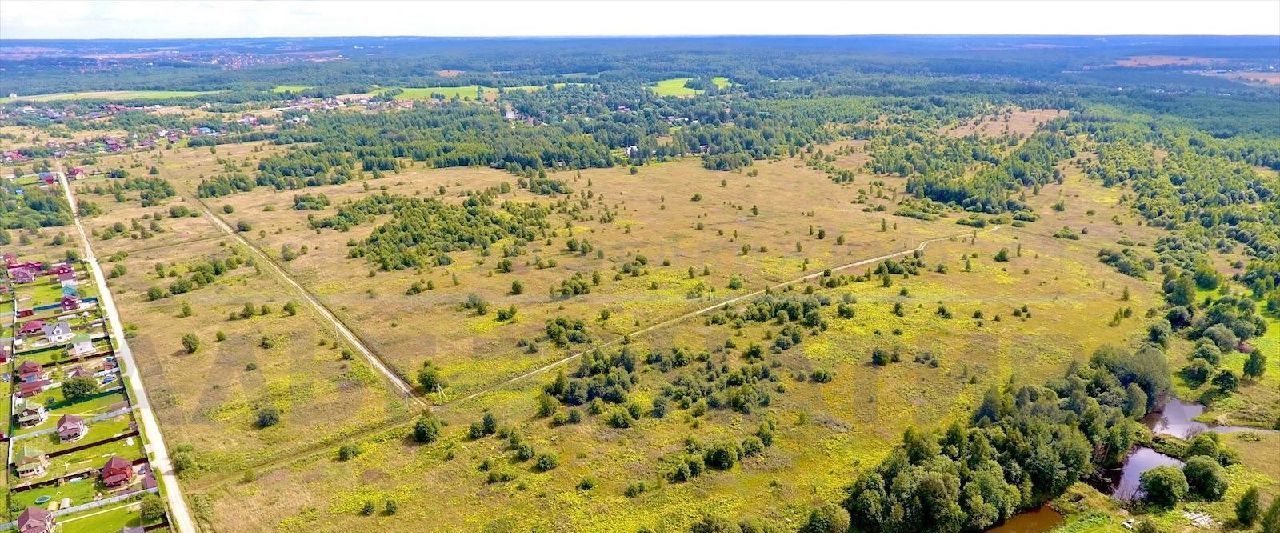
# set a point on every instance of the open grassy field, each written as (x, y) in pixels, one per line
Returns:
(824, 430)
(674, 87)
(669, 240)
(462, 92)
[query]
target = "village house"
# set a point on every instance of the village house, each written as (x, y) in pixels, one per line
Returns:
(81, 345)
(22, 275)
(63, 268)
(5, 351)
(31, 463)
(71, 428)
(118, 472)
(31, 414)
(76, 173)
(30, 328)
(35, 520)
(31, 388)
(30, 371)
(70, 302)
(58, 333)
(67, 279)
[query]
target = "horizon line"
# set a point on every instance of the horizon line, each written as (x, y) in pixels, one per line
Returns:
(650, 36)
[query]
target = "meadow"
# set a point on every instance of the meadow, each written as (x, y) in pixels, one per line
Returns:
(824, 430)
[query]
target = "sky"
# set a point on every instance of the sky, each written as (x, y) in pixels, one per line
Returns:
(96, 19)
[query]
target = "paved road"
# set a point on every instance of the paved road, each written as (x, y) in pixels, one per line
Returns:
(160, 463)
(399, 383)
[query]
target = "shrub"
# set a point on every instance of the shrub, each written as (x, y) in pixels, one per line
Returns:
(1164, 486)
(722, 455)
(267, 417)
(152, 509)
(426, 430)
(191, 343)
(546, 462)
(827, 519)
(1249, 507)
(1206, 478)
(347, 452)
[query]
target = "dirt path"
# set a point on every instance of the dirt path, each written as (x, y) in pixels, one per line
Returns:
(398, 381)
(310, 451)
(707, 309)
(159, 452)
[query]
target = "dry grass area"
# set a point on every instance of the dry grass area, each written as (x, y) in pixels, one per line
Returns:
(1012, 121)
(210, 399)
(651, 221)
(826, 431)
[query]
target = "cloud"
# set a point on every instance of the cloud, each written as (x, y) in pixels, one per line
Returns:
(26, 19)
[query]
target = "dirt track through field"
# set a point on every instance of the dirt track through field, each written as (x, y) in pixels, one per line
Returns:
(707, 309)
(399, 382)
(311, 451)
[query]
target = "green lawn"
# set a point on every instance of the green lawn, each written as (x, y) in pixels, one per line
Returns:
(721, 82)
(44, 356)
(42, 292)
(89, 458)
(291, 88)
(127, 514)
(80, 492)
(674, 87)
(87, 408)
(97, 431)
(465, 92)
(108, 95)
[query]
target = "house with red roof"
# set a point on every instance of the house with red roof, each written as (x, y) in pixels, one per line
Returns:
(76, 173)
(31, 328)
(35, 520)
(70, 303)
(71, 428)
(117, 472)
(22, 275)
(63, 268)
(31, 388)
(29, 371)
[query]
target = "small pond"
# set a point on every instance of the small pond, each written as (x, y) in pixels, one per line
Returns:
(1038, 520)
(1178, 419)
(1125, 480)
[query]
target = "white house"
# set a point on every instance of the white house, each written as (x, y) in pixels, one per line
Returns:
(81, 345)
(58, 333)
